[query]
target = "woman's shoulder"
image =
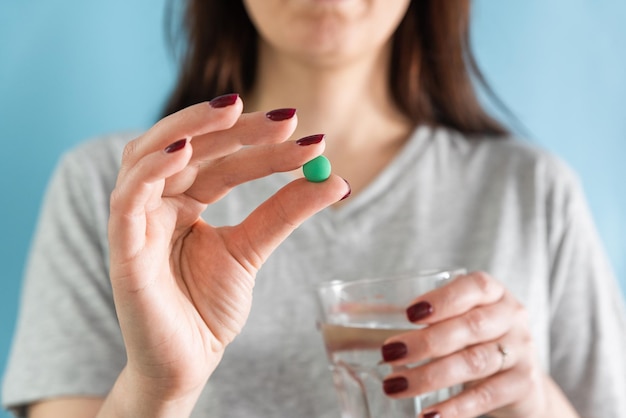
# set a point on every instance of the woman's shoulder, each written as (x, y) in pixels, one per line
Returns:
(97, 157)
(515, 157)
(92, 165)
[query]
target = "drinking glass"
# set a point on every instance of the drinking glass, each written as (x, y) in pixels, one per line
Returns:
(355, 318)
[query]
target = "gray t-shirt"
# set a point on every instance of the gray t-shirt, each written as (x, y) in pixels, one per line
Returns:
(495, 205)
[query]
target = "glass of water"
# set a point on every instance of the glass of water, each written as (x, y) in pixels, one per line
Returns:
(356, 317)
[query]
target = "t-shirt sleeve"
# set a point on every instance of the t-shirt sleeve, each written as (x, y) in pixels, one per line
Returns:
(588, 319)
(67, 340)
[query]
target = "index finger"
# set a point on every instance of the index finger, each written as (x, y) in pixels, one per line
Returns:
(455, 298)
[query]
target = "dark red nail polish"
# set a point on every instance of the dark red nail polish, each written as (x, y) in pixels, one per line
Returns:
(347, 195)
(224, 101)
(432, 415)
(395, 385)
(394, 351)
(280, 114)
(310, 140)
(176, 146)
(419, 311)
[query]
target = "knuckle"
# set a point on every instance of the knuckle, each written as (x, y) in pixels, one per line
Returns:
(129, 152)
(428, 344)
(484, 396)
(525, 338)
(483, 282)
(428, 379)
(528, 342)
(228, 178)
(521, 313)
(453, 410)
(535, 380)
(449, 296)
(527, 369)
(282, 213)
(477, 322)
(115, 200)
(530, 379)
(477, 360)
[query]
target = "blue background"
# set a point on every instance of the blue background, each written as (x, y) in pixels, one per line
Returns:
(71, 70)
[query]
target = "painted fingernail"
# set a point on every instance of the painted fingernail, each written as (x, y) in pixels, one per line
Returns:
(224, 101)
(280, 114)
(419, 311)
(176, 146)
(394, 351)
(432, 415)
(310, 140)
(395, 385)
(347, 195)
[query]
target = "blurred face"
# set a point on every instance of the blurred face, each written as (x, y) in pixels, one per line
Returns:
(326, 31)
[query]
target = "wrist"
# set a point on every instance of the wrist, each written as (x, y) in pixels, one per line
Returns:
(135, 397)
(557, 404)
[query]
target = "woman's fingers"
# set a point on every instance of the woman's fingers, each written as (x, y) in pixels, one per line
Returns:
(252, 241)
(488, 396)
(150, 169)
(477, 335)
(483, 323)
(218, 149)
(470, 364)
(215, 178)
(250, 129)
(227, 155)
(139, 191)
(218, 114)
(495, 374)
(455, 298)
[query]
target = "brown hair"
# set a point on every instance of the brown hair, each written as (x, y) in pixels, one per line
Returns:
(432, 64)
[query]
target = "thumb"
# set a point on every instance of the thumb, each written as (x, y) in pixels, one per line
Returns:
(273, 221)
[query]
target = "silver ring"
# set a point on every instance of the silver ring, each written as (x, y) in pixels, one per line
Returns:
(504, 352)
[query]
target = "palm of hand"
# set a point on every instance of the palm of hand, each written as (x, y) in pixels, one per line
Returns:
(191, 285)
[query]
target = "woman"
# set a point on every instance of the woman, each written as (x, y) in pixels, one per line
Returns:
(535, 331)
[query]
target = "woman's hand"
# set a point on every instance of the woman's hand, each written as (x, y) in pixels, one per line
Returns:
(477, 335)
(183, 288)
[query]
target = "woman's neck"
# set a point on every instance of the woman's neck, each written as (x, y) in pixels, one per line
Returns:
(347, 102)
(350, 103)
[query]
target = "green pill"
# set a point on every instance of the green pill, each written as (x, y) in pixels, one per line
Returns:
(317, 170)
